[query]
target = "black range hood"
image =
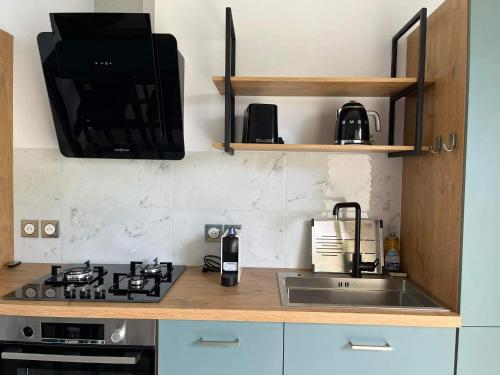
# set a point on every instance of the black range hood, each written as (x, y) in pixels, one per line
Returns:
(115, 88)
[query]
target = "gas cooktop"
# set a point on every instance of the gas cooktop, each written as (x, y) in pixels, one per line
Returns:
(134, 282)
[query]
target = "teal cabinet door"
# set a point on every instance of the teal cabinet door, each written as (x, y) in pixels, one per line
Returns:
(478, 349)
(316, 349)
(221, 348)
(480, 277)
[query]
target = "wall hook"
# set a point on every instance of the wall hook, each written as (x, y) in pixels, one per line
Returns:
(453, 142)
(438, 145)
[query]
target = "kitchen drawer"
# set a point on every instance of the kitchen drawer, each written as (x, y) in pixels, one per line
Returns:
(316, 349)
(227, 348)
(478, 349)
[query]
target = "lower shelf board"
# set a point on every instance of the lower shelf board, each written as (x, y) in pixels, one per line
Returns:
(383, 149)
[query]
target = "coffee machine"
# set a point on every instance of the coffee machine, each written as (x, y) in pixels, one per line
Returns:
(231, 256)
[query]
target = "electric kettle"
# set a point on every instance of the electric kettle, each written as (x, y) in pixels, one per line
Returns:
(352, 125)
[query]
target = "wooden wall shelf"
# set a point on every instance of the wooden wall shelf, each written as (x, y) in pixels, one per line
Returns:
(230, 85)
(316, 148)
(316, 86)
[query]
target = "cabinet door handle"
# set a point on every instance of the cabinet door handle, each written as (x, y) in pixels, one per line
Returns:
(372, 348)
(223, 343)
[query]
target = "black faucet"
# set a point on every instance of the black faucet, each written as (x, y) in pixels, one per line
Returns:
(357, 264)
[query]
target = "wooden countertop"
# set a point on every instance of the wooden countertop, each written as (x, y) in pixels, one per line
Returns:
(199, 296)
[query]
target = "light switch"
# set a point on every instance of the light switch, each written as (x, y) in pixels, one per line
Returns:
(50, 228)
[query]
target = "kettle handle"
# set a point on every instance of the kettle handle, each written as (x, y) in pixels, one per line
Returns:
(376, 116)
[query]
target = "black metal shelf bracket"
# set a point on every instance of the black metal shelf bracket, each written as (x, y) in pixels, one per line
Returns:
(229, 117)
(418, 87)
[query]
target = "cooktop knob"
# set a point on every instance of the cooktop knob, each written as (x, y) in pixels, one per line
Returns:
(84, 293)
(30, 292)
(69, 293)
(118, 334)
(50, 293)
(99, 293)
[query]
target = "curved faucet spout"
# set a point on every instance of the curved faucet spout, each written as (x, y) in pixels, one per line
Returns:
(354, 205)
(357, 264)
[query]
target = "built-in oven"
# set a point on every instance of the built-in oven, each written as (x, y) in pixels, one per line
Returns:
(43, 346)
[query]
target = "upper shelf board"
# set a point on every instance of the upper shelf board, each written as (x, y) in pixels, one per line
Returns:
(316, 86)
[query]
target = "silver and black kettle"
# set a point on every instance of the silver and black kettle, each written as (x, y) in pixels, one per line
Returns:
(352, 125)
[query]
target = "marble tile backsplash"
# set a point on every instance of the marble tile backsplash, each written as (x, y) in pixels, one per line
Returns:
(119, 210)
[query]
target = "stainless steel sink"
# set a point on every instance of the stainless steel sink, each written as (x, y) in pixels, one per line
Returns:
(309, 289)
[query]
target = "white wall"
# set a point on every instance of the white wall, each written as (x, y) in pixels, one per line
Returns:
(274, 37)
(33, 125)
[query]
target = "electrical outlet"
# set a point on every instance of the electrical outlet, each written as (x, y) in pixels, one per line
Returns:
(30, 228)
(213, 232)
(227, 226)
(50, 228)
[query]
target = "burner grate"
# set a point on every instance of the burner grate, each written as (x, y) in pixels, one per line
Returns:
(142, 279)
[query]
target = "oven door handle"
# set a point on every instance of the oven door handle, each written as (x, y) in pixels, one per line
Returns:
(105, 360)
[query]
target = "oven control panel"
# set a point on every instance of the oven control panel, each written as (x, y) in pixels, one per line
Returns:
(78, 331)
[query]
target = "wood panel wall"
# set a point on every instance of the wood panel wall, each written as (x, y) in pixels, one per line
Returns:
(431, 209)
(6, 189)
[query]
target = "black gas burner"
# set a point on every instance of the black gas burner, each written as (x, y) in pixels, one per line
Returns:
(78, 275)
(134, 282)
(154, 269)
(163, 268)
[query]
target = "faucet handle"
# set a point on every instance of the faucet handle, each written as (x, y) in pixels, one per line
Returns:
(369, 266)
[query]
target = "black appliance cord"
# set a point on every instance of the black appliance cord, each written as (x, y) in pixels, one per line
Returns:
(211, 263)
